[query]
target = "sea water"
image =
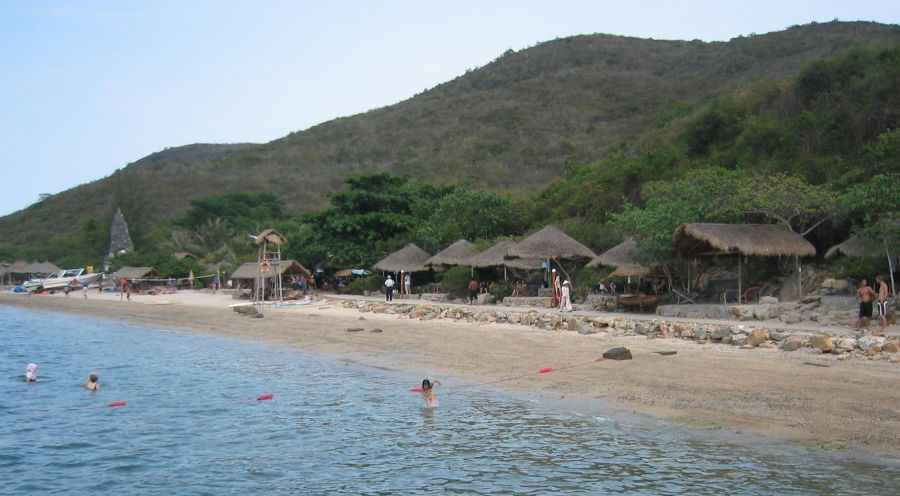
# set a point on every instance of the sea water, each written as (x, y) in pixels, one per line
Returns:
(192, 425)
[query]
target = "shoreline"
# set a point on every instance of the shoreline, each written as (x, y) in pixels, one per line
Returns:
(847, 405)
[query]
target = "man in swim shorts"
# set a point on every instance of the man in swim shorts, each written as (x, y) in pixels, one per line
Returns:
(865, 295)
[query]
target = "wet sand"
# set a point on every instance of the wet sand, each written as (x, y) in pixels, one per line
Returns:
(845, 404)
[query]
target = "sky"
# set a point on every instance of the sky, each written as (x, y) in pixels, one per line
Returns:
(87, 87)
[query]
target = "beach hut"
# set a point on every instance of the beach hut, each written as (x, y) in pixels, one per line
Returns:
(42, 268)
(496, 256)
(854, 247)
(410, 258)
(743, 240)
(138, 276)
(550, 243)
(625, 256)
(251, 270)
(456, 254)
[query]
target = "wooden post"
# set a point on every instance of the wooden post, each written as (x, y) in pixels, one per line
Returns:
(799, 279)
(890, 267)
(739, 280)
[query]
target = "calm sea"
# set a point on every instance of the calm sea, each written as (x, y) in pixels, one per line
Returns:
(192, 426)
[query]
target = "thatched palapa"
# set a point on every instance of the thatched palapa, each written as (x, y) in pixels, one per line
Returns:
(495, 256)
(765, 240)
(456, 254)
(854, 247)
(410, 258)
(250, 270)
(624, 253)
(43, 268)
(551, 243)
(630, 270)
(137, 273)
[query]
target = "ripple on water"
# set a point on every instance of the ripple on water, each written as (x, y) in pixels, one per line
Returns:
(193, 426)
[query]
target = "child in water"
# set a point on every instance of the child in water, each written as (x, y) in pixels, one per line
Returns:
(92, 383)
(428, 392)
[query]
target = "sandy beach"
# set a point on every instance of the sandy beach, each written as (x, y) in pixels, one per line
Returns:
(835, 405)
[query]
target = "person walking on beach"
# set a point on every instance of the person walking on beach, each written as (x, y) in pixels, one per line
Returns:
(882, 304)
(865, 295)
(93, 382)
(473, 291)
(428, 392)
(407, 284)
(565, 303)
(31, 372)
(389, 288)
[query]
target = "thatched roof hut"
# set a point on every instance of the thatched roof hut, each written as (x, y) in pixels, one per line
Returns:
(18, 267)
(495, 256)
(42, 268)
(181, 255)
(270, 236)
(137, 273)
(250, 270)
(630, 270)
(624, 253)
(765, 240)
(854, 247)
(410, 258)
(551, 243)
(456, 254)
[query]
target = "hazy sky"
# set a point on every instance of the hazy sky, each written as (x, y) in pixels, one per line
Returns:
(87, 86)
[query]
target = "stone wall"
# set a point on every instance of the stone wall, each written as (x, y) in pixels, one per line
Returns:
(738, 335)
(528, 301)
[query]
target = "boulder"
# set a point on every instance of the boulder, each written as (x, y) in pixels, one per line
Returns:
(757, 337)
(486, 299)
(762, 312)
(791, 318)
(721, 333)
(792, 343)
(822, 342)
(845, 344)
(779, 335)
(768, 300)
(767, 344)
(618, 354)
(587, 330)
(867, 342)
(891, 346)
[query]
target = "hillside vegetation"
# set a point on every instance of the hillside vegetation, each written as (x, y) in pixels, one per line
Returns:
(515, 126)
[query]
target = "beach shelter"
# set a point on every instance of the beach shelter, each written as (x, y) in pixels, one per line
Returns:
(133, 273)
(251, 270)
(625, 255)
(410, 258)
(495, 256)
(43, 268)
(550, 243)
(456, 254)
(854, 247)
(743, 240)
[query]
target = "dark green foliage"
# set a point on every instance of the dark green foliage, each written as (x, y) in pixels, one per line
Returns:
(370, 283)
(467, 214)
(241, 211)
(500, 290)
(456, 281)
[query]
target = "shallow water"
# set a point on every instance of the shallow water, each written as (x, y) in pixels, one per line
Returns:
(192, 426)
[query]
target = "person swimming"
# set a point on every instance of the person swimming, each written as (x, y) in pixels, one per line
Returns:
(93, 382)
(428, 392)
(31, 372)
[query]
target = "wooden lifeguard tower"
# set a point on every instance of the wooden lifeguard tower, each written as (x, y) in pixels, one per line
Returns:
(269, 243)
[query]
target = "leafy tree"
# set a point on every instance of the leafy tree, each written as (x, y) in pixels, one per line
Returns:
(468, 214)
(240, 211)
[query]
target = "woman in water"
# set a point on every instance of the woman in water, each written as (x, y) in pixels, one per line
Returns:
(93, 382)
(428, 392)
(31, 372)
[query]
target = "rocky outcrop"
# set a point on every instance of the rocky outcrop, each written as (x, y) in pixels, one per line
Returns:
(738, 335)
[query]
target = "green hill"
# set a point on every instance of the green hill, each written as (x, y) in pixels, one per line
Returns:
(516, 124)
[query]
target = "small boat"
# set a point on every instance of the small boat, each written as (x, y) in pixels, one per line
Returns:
(61, 279)
(639, 300)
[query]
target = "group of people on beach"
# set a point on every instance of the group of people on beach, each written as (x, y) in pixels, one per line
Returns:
(867, 297)
(31, 375)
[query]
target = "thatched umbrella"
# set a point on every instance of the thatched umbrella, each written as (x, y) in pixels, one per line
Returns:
(624, 253)
(495, 256)
(550, 243)
(269, 236)
(250, 270)
(410, 258)
(630, 270)
(765, 240)
(456, 254)
(131, 273)
(854, 247)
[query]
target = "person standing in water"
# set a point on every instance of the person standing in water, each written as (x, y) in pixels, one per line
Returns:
(428, 392)
(31, 372)
(93, 382)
